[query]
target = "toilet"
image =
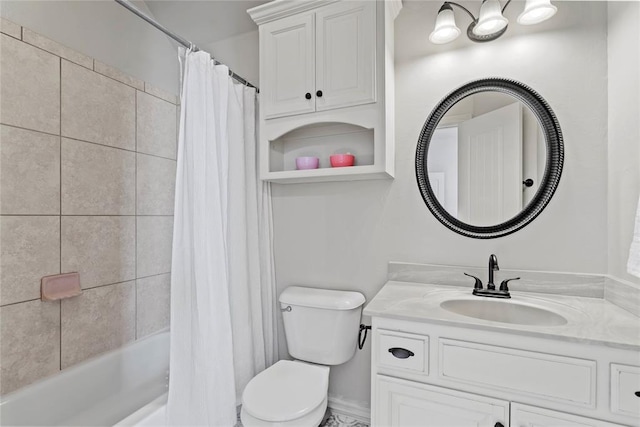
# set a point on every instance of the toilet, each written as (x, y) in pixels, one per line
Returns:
(321, 328)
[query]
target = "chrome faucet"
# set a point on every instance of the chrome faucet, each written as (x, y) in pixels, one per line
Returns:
(493, 266)
(491, 291)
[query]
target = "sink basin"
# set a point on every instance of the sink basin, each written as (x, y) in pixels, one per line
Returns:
(505, 311)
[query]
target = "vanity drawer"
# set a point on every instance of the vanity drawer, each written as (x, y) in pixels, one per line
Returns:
(541, 375)
(403, 351)
(625, 383)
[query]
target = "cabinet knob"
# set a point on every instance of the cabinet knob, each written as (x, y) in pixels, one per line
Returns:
(637, 393)
(498, 424)
(401, 353)
(307, 95)
(319, 94)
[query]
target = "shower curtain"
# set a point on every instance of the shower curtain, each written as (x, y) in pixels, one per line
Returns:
(222, 279)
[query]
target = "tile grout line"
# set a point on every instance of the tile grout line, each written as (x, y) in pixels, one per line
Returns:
(60, 211)
(109, 215)
(93, 62)
(49, 214)
(88, 289)
(116, 80)
(157, 97)
(12, 36)
(135, 227)
(92, 287)
(88, 142)
(21, 302)
(55, 54)
(60, 231)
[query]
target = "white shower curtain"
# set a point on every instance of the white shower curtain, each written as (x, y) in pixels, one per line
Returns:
(222, 279)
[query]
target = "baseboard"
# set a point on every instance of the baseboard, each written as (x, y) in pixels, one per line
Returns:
(350, 409)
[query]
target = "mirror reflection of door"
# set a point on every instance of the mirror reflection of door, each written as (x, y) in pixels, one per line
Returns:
(489, 166)
(443, 167)
(483, 149)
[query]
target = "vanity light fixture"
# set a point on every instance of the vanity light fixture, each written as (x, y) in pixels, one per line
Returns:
(490, 23)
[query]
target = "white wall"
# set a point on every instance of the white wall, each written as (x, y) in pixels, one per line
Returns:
(342, 235)
(240, 53)
(624, 131)
(105, 31)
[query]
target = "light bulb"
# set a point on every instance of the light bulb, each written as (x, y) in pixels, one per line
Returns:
(490, 20)
(536, 11)
(445, 30)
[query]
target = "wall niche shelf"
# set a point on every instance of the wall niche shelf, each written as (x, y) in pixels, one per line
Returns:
(327, 87)
(322, 140)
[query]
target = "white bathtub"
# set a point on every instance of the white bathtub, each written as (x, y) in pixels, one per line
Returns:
(124, 387)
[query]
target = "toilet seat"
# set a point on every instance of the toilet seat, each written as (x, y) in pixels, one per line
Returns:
(312, 419)
(286, 391)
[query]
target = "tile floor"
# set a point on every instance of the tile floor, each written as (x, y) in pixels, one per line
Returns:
(336, 420)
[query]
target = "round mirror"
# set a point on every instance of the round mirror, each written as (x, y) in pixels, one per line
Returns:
(489, 158)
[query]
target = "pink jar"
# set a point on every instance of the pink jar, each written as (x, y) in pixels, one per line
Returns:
(341, 160)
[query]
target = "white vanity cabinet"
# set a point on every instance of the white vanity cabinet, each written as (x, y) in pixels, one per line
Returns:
(531, 416)
(430, 374)
(326, 87)
(406, 403)
(319, 60)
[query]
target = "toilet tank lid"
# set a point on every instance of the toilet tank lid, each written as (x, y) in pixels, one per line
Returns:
(322, 298)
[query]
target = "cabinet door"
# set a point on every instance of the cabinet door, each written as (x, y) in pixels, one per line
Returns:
(530, 416)
(625, 390)
(404, 404)
(345, 54)
(288, 64)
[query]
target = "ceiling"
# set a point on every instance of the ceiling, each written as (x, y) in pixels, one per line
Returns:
(205, 21)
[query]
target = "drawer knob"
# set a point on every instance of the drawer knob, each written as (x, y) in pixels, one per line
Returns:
(498, 424)
(637, 393)
(401, 353)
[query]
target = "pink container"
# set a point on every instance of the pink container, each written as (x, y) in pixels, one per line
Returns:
(307, 163)
(341, 160)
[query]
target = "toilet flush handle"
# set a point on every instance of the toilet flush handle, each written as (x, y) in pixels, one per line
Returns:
(287, 308)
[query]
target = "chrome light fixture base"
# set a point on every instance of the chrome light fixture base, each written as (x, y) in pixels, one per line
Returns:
(482, 39)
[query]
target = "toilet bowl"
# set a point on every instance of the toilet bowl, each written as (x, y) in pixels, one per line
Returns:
(321, 328)
(288, 394)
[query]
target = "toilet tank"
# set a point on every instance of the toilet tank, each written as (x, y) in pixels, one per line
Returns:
(321, 325)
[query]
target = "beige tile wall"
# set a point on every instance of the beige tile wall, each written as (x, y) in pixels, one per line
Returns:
(87, 170)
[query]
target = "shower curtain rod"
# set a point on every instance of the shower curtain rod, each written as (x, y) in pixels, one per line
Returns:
(186, 43)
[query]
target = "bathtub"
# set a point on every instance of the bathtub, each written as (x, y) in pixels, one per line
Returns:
(125, 387)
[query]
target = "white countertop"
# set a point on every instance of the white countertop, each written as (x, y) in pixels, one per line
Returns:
(589, 320)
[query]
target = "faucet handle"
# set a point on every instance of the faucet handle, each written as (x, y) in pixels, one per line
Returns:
(478, 284)
(503, 284)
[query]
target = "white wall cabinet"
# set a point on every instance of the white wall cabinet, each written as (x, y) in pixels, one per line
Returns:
(326, 87)
(289, 65)
(345, 54)
(436, 375)
(319, 60)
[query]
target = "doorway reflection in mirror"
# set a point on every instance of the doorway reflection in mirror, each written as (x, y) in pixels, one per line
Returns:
(483, 149)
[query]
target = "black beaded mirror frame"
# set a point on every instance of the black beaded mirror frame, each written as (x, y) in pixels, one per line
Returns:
(554, 162)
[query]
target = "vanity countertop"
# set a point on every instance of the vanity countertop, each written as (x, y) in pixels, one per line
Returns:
(589, 320)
